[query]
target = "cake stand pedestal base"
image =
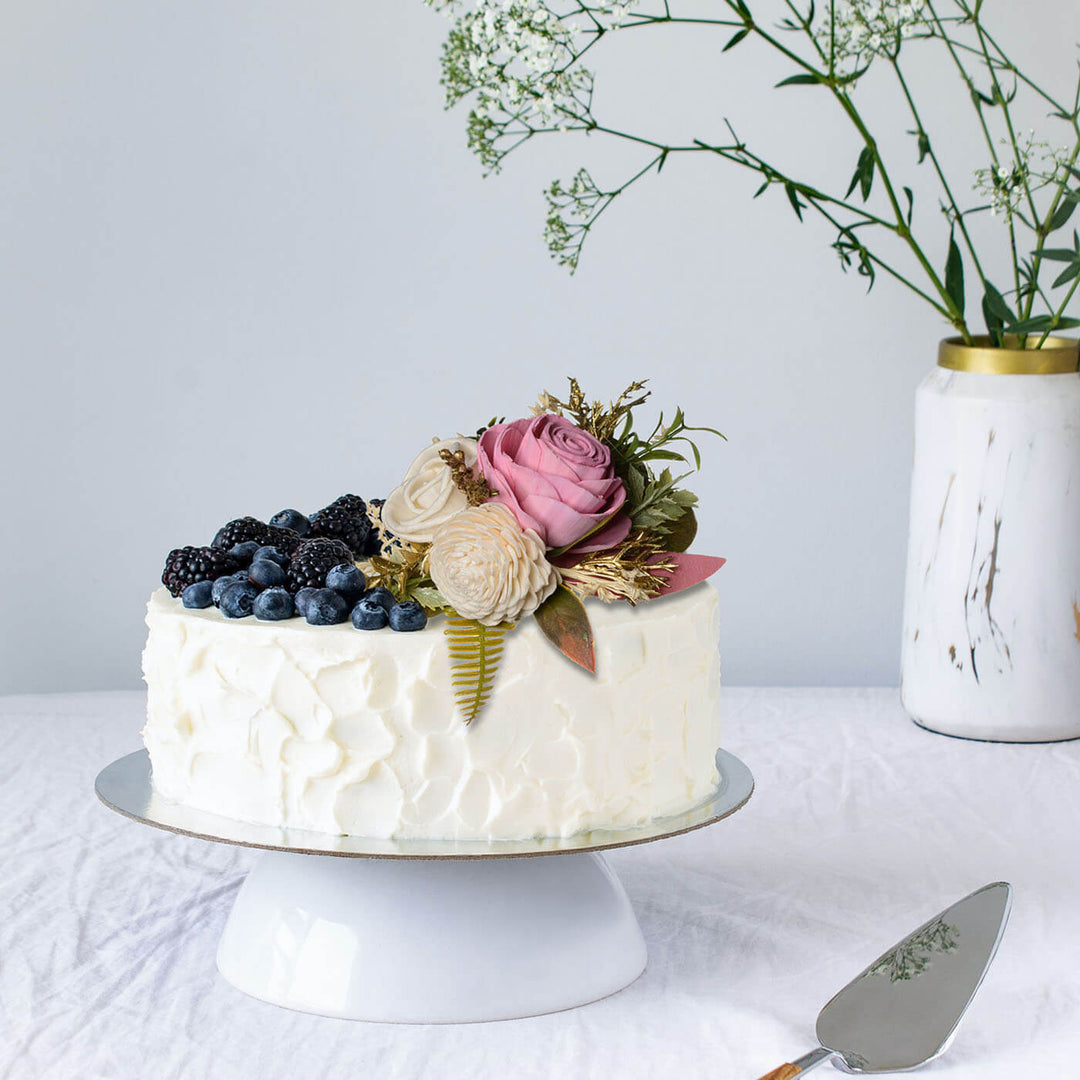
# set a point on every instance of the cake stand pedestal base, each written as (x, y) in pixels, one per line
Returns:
(431, 941)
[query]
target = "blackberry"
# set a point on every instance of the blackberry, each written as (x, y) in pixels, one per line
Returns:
(313, 560)
(184, 566)
(353, 504)
(340, 523)
(242, 530)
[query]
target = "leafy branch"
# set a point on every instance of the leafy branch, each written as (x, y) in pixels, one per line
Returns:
(521, 62)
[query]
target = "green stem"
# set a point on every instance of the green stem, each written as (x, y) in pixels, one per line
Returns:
(816, 199)
(1058, 315)
(958, 216)
(955, 315)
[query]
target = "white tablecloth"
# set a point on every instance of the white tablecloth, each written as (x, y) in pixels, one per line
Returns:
(861, 827)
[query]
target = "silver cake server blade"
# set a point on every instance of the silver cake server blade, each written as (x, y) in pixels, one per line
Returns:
(903, 1009)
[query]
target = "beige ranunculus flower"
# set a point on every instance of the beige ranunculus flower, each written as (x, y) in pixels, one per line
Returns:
(489, 568)
(428, 497)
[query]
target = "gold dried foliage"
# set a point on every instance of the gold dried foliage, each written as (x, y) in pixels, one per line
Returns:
(623, 572)
(473, 487)
(407, 563)
(595, 417)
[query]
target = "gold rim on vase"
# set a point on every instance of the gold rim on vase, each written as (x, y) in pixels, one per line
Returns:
(1058, 356)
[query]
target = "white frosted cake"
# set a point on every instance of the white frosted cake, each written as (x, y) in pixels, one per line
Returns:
(515, 643)
(326, 728)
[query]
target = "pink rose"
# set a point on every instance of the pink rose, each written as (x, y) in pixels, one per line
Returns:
(557, 479)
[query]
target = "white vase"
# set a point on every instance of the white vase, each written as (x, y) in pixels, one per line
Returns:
(991, 646)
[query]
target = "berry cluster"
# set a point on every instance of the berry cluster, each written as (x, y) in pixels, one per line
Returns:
(291, 566)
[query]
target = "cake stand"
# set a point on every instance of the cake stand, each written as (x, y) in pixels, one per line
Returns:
(424, 931)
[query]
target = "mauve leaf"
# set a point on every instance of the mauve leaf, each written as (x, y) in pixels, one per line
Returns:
(565, 623)
(689, 570)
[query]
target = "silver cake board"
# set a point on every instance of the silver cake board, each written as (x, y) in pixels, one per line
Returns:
(424, 931)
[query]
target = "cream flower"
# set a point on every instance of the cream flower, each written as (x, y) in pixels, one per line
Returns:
(489, 568)
(428, 497)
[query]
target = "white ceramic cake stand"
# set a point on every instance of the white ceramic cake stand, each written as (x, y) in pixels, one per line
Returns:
(422, 931)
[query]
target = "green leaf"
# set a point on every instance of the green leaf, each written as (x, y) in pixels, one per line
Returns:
(910, 205)
(735, 39)
(1061, 215)
(1032, 325)
(793, 198)
(924, 146)
(864, 174)
(565, 623)
(1067, 274)
(1059, 254)
(680, 534)
(475, 652)
(954, 276)
(805, 79)
(996, 312)
(997, 304)
(429, 598)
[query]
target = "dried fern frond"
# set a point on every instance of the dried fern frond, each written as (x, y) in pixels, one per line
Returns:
(475, 651)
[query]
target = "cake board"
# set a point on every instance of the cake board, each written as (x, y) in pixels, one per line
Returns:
(424, 931)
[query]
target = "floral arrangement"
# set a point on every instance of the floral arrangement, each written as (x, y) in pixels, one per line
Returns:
(522, 64)
(533, 515)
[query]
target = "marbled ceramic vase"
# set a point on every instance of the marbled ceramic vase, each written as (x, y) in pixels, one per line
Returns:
(991, 645)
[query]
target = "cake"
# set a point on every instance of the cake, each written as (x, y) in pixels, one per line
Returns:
(451, 664)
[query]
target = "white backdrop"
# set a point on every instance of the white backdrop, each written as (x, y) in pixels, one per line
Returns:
(246, 262)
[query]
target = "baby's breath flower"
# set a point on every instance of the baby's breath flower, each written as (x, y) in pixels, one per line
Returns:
(865, 29)
(519, 59)
(1028, 167)
(572, 209)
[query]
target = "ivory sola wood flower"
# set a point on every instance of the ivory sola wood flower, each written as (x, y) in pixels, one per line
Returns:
(489, 568)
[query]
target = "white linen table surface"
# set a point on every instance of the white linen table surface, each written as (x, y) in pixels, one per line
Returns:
(861, 827)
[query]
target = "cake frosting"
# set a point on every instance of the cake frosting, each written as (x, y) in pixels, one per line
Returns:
(326, 728)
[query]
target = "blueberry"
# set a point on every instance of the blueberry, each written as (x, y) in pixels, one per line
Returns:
(381, 595)
(238, 600)
(301, 599)
(266, 574)
(274, 554)
(407, 616)
(291, 519)
(369, 615)
(326, 607)
(348, 580)
(198, 595)
(222, 583)
(273, 605)
(245, 552)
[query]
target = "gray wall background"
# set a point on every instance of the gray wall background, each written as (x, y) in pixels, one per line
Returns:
(247, 262)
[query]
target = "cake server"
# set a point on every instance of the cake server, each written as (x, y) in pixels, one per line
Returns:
(903, 1009)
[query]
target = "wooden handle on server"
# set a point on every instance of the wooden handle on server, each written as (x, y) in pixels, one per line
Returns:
(785, 1072)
